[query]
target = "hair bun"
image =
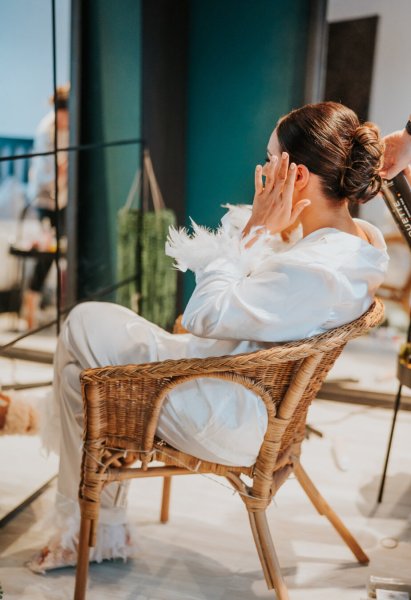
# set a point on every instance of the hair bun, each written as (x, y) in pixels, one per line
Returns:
(360, 179)
(329, 140)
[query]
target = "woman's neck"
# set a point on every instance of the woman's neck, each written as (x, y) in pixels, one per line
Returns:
(321, 214)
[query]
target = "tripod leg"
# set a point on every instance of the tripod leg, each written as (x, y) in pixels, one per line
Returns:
(387, 456)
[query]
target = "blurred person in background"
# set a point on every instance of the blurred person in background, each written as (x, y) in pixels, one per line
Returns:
(42, 194)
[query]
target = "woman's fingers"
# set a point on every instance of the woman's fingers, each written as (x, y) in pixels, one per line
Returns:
(283, 170)
(407, 173)
(281, 174)
(288, 186)
(298, 209)
(259, 187)
(270, 173)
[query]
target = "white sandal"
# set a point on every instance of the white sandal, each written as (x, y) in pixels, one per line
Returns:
(48, 560)
(56, 556)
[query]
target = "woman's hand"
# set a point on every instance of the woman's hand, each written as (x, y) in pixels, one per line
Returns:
(397, 153)
(273, 209)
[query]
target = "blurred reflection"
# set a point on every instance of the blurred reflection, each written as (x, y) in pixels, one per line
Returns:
(28, 280)
(41, 188)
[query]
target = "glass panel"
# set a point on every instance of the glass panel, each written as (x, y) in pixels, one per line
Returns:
(28, 282)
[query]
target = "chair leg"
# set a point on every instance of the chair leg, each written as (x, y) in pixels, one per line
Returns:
(267, 554)
(324, 509)
(82, 559)
(165, 501)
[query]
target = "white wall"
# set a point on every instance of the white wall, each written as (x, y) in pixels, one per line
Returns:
(390, 103)
(26, 61)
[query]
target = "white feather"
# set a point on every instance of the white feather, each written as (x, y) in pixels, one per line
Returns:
(236, 218)
(196, 251)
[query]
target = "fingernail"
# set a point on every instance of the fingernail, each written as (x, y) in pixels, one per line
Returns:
(292, 167)
(274, 158)
(258, 168)
(284, 155)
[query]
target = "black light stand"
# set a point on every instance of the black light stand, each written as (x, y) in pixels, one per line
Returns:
(404, 378)
(397, 196)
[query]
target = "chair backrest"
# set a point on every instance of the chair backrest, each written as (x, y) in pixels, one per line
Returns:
(123, 403)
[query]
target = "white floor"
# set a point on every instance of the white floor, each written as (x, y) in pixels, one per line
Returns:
(369, 364)
(206, 551)
(24, 468)
(24, 471)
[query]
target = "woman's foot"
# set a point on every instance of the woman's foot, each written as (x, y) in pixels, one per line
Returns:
(30, 308)
(49, 559)
(114, 542)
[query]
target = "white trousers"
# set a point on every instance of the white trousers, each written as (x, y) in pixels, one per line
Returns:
(212, 419)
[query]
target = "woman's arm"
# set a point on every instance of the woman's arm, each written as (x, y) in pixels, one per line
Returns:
(260, 297)
(244, 290)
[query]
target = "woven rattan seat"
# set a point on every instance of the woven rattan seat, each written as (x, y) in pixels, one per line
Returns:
(122, 405)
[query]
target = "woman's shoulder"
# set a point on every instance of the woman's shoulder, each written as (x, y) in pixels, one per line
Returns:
(332, 249)
(331, 236)
(373, 234)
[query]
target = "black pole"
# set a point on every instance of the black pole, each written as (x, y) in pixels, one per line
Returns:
(75, 148)
(56, 190)
(388, 452)
(397, 405)
(95, 296)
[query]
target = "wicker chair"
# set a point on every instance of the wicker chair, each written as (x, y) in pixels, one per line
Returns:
(122, 406)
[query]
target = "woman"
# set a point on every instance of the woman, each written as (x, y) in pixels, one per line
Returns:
(251, 291)
(41, 190)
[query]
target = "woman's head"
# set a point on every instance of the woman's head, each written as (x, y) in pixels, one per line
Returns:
(330, 141)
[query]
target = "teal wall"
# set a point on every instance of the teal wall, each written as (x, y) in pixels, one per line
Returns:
(110, 110)
(120, 76)
(246, 69)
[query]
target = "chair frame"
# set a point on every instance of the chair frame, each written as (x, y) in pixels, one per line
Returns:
(122, 406)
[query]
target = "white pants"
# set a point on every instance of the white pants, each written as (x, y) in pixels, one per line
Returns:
(212, 419)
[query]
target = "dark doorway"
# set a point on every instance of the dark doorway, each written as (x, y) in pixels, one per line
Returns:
(350, 61)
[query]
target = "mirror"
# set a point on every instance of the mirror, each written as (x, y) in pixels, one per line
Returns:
(28, 279)
(28, 282)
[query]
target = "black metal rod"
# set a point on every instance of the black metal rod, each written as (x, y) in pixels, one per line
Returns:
(78, 148)
(387, 455)
(397, 405)
(56, 166)
(99, 294)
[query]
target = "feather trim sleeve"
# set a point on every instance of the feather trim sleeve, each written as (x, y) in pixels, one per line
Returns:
(203, 246)
(200, 249)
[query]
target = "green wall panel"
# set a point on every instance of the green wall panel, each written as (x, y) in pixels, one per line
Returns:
(246, 69)
(110, 110)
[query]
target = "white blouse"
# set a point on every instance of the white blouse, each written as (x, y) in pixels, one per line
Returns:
(274, 291)
(247, 299)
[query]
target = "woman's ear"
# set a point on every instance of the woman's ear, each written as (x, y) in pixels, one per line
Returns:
(303, 177)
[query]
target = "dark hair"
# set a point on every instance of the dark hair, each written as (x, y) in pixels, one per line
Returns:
(330, 141)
